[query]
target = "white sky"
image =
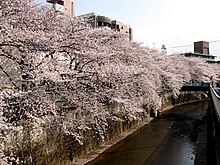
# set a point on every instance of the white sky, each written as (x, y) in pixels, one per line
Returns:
(157, 22)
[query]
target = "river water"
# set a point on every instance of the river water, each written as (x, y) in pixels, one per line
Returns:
(168, 140)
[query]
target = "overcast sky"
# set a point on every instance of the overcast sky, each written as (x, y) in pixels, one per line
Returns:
(156, 22)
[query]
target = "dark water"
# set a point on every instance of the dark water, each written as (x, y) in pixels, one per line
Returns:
(167, 140)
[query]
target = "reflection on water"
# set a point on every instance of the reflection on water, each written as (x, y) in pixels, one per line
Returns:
(167, 140)
(176, 151)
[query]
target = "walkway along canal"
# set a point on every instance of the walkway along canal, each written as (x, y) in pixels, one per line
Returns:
(169, 139)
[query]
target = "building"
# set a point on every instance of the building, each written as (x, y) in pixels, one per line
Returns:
(97, 20)
(66, 6)
(201, 50)
(201, 47)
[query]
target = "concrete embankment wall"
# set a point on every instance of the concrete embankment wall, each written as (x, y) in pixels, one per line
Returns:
(56, 148)
(185, 97)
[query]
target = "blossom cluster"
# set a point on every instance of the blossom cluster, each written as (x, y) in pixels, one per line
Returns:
(71, 78)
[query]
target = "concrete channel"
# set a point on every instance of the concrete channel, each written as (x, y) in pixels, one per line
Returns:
(170, 139)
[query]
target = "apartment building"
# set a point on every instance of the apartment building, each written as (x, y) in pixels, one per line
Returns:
(97, 20)
(66, 6)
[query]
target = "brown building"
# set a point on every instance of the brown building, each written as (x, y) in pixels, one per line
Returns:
(66, 6)
(97, 20)
(201, 47)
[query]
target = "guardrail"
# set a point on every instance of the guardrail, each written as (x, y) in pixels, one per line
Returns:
(213, 139)
(215, 93)
(195, 86)
(200, 84)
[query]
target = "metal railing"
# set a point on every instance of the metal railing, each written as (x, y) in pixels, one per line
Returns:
(200, 84)
(213, 135)
(215, 93)
(195, 86)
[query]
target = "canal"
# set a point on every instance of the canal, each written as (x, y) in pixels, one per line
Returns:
(168, 140)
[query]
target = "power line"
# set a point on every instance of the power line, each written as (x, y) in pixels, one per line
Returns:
(182, 46)
(214, 41)
(216, 51)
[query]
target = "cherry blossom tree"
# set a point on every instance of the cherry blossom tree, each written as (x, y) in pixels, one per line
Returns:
(68, 75)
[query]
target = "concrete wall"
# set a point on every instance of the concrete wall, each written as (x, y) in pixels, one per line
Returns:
(55, 148)
(13, 70)
(69, 6)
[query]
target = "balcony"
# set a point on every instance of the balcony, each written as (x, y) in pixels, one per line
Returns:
(60, 2)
